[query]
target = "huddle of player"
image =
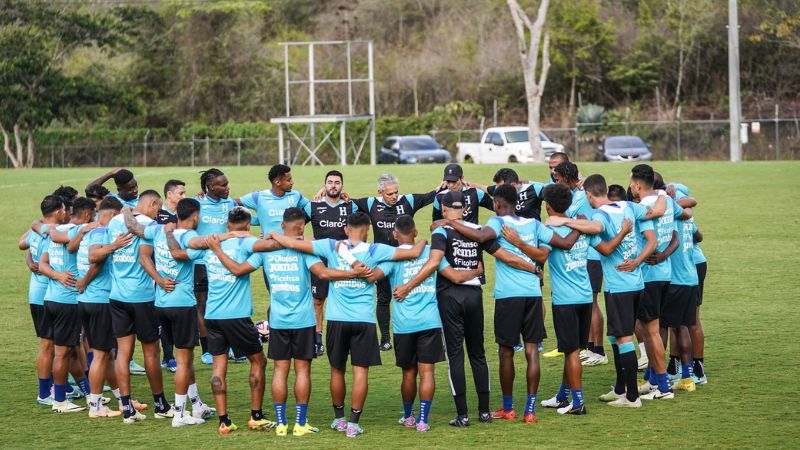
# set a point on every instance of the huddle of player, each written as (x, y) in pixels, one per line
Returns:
(118, 267)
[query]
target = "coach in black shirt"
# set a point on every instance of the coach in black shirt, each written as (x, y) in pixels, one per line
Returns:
(473, 198)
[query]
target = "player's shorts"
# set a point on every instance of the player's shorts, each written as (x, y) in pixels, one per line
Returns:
(572, 323)
(653, 299)
(424, 346)
(319, 288)
(515, 316)
(702, 268)
(96, 320)
(134, 318)
(357, 339)
(595, 269)
(681, 307)
(179, 324)
(200, 278)
(42, 326)
(238, 334)
(292, 344)
(66, 323)
(621, 312)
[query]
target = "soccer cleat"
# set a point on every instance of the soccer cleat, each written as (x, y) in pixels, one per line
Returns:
(623, 402)
(423, 427)
(685, 384)
(656, 394)
(168, 414)
(76, 394)
(136, 417)
(519, 347)
(385, 346)
(462, 421)
(260, 424)
(207, 359)
(106, 388)
(673, 377)
(595, 360)
(184, 420)
(105, 400)
(139, 406)
(645, 387)
(104, 412)
(354, 429)
(339, 424)
(302, 430)
(227, 429)
(409, 421)
(610, 396)
(66, 407)
(700, 380)
(281, 430)
(585, 354)
(529, 418)
(574, 411)
(554, 353)
(45, 401)
(172, 366)
(233, 358)
(319, 349)
(643, 362)
(485, 417)
(203, 412)
(554, 402)
(502, 414)
(135, 369)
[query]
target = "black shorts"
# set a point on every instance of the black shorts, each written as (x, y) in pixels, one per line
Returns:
(179, 324)
(702, 268)
(292, 344)
(319, 288)
(424, 346)
(66, 323)
(96, 320)
(681, 307)
(595, 269)
(653, 299)
(200, 278)
(239, 334)
(357, 339)
(43, 327)
(517, 316)
(572, 323)
(621, 312)
(134, 318)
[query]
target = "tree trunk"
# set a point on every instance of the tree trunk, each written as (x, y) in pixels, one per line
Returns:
(29, 161)
(7, 147)
(572, 86)
(416, 97)
(18, 142)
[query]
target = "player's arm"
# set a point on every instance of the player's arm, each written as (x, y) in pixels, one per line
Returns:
(483, 234)
(514, 261)
(401, 254)
(686, 214)
(582, 225)
(478, 186)
(687, 202)
(75, 242)
(59, 237)
(430, 266)
(293, 243)
(130, 222)
(146, 260)
(175, 250)
(659, 257)
(65, 278)
(33, 266)
(99, 252)
(461, 276)
(564, 243)
(656, 210)
(606, 248)
(538, 254)
(103, 178)
(697, 236)
(375, 275)
(23, 240)
(630, 265)
(266, 245)
(325, 273)
(423, 200)
(94, 269)
(238, 269)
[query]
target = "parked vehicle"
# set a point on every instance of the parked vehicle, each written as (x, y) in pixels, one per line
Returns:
(412, 150)
(504, 145)
(623, 149)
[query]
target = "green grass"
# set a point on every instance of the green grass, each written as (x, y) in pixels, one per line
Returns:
(748, 213)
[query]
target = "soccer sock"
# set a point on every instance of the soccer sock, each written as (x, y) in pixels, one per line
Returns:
(127, 407)
(600, 349)
(530, 404)
(627, 355)
(83, 383)
(699, 368)
(508, 402)
(672, 366)
(577, 398)
(257, 414)
(483, 403)
(60, 392)
(355, 415)
(663, 382)
(590, 345)
(89, 359)
(180, 405)
(94, 402)
(117, 394)
(407, 409)
(424, 410)
(161, 402)
(223, 418)
(647, 374)
(563, 393)
(194, 396)
(686, 370)
(338, 411)
(204, 344)
(280, 413)
(301, 410)
(44, 388)
(619, 385)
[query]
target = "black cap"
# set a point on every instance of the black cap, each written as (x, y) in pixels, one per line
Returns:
(453, 172)
(453, 199)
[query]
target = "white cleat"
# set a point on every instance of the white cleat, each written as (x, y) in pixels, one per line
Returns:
(554, 403)
(623, 402)
(595, 360)
(66, 407)
(203, 412)
(611, 396)
(184, 420)
(646, 388)
(585, 354)
(104, 411)
(137, 417)
(565, 409)
(643, 362)
(168, 414)
(656, 394)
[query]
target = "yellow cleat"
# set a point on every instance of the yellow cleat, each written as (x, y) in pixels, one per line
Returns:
(261, 424)
(227, 429)
(302, 430)
(281, 430)
(554, 353)
(685, 384)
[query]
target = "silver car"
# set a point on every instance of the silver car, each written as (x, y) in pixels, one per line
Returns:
(623, 149)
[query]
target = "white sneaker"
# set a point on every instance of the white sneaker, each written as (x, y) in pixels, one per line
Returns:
(136, 417)
(203, 412)
(595, 360)
(623, 402)
(135, 369)
(66, 407)
(565, 409)
(646, 388)
(656, 394)
(553, 403)
(168, 414)
(186, 420)
(643, 362)
(105, 400)
(611, 396)
(104, 412)
(585, 354)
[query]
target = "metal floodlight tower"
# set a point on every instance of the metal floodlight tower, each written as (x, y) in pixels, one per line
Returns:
(313, 117)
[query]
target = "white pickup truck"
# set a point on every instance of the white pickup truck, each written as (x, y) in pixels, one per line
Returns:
(504, 145)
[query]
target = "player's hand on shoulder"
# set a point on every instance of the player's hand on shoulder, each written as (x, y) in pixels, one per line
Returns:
(511, 236)
(556, 221)
(627, 226)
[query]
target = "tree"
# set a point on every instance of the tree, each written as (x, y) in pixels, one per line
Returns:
(35, 39)
(529, 58)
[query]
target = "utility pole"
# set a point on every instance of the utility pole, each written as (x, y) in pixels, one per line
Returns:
(735, 104)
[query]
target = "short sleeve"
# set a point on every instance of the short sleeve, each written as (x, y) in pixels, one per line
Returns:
(646, 225)
(543, 234)
(439, 239)
(496, 224)
(256, 260)
(639, 211)
(302, 202)
(443, 264)
(387, 267)
(537, 187)
(151, 232)
(491, 247)
(72, 232)
(594, 240)
(310, 260)
(324, 248)
(248, 243)
(250, 200)
(382, 252)
(151, 228)
(676, 209)
(546, 244)
(355, 206)
(307, 210)
(490, 190)
(485, 200)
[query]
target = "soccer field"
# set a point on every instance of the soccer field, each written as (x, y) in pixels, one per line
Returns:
(749, 214)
